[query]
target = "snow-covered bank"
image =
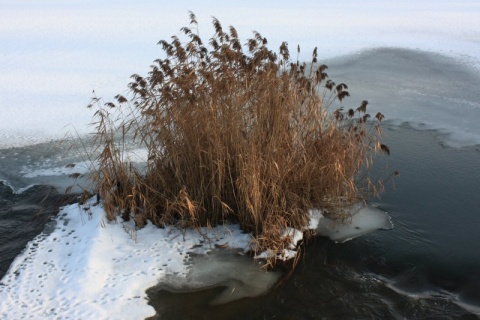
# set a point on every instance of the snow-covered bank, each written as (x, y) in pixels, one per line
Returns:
(89, 269)
(84, 267)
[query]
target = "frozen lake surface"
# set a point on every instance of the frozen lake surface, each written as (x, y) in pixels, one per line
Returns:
(54, 54)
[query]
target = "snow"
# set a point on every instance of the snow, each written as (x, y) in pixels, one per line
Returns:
(88, 268)
(294, 236)
(85, 267)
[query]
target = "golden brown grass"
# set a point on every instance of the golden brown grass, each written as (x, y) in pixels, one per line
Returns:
(233, 133)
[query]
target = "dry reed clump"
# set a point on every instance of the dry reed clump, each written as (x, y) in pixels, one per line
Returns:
(233, 135)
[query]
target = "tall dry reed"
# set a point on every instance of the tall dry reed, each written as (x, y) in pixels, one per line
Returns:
(234, 133)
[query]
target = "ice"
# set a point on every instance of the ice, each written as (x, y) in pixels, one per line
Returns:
(80, 168)
(241, 276)
(427, 92)
(54, 54)
(365, 219)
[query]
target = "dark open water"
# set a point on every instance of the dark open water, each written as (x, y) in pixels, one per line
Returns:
(427, 267)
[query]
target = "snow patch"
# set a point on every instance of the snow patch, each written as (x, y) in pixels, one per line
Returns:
(89, 268)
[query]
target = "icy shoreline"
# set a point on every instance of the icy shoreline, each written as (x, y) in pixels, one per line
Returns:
(89, 268)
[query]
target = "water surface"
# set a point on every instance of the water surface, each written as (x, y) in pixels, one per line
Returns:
(428, 266)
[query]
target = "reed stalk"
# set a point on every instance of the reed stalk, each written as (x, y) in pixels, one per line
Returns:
(234, 133)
